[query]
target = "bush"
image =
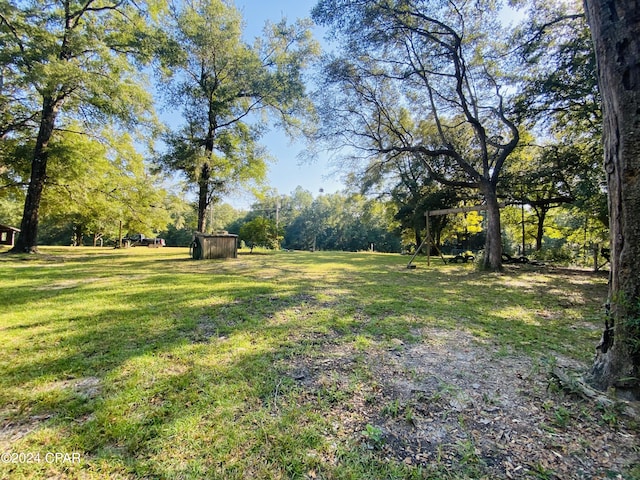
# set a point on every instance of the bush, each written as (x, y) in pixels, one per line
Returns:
(562, 255)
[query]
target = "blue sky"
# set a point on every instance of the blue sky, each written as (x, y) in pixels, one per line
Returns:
(286, 172)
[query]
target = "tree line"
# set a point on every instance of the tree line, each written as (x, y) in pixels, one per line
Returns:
(356, 222)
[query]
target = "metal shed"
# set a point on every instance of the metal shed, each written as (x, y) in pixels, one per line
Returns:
(222, 245)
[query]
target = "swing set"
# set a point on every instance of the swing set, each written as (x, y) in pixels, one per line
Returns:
(428, 241)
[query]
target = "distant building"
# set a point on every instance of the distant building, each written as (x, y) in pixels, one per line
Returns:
(8, 235)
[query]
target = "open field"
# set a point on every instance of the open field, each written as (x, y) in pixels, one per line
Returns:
(143, 363)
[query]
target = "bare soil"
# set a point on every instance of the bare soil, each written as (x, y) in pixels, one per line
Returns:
(470, 409)
(12, 431)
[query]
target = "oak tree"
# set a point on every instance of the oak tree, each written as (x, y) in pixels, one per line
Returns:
(424, 78)
(615, 29)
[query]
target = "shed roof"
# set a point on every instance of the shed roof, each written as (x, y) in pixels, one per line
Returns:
(6, 227)
(216, 235)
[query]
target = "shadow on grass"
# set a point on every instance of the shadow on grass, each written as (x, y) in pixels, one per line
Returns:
(188, 353)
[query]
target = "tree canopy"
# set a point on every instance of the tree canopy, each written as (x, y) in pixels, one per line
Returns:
(67, 63)
(421, 78)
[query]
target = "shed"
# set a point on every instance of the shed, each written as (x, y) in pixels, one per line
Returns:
(8, 235)
(222, 245)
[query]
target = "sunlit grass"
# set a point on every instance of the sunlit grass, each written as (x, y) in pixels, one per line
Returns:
(154, 365)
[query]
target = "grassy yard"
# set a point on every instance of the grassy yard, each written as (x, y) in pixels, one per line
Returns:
(143, 363)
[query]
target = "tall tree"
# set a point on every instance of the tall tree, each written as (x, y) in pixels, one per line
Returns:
(545, 178)
(615, 29)
(221, 85)
(423, 78)
(69, 58)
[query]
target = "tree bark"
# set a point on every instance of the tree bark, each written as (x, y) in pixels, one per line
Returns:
(203, 197)
(492, 259)
(418, 238)
(27, 241)
(615, 29)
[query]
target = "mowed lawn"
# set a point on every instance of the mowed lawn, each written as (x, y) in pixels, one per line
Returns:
(143, 363)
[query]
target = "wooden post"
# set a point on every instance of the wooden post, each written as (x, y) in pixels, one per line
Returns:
(524, 245)
(426, 214)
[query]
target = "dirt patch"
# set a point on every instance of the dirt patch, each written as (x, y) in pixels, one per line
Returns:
(473, 410)
(14, 426)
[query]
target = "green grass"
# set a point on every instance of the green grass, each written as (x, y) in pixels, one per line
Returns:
(151, 365)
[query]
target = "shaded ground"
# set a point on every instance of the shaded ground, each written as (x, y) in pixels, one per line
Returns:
(308, 367)
(462, 408)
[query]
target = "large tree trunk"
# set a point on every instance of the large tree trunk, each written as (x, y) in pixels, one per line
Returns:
(615, 28)
(492, 259)
(418, 238)
(28, 239)
(203, 197)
